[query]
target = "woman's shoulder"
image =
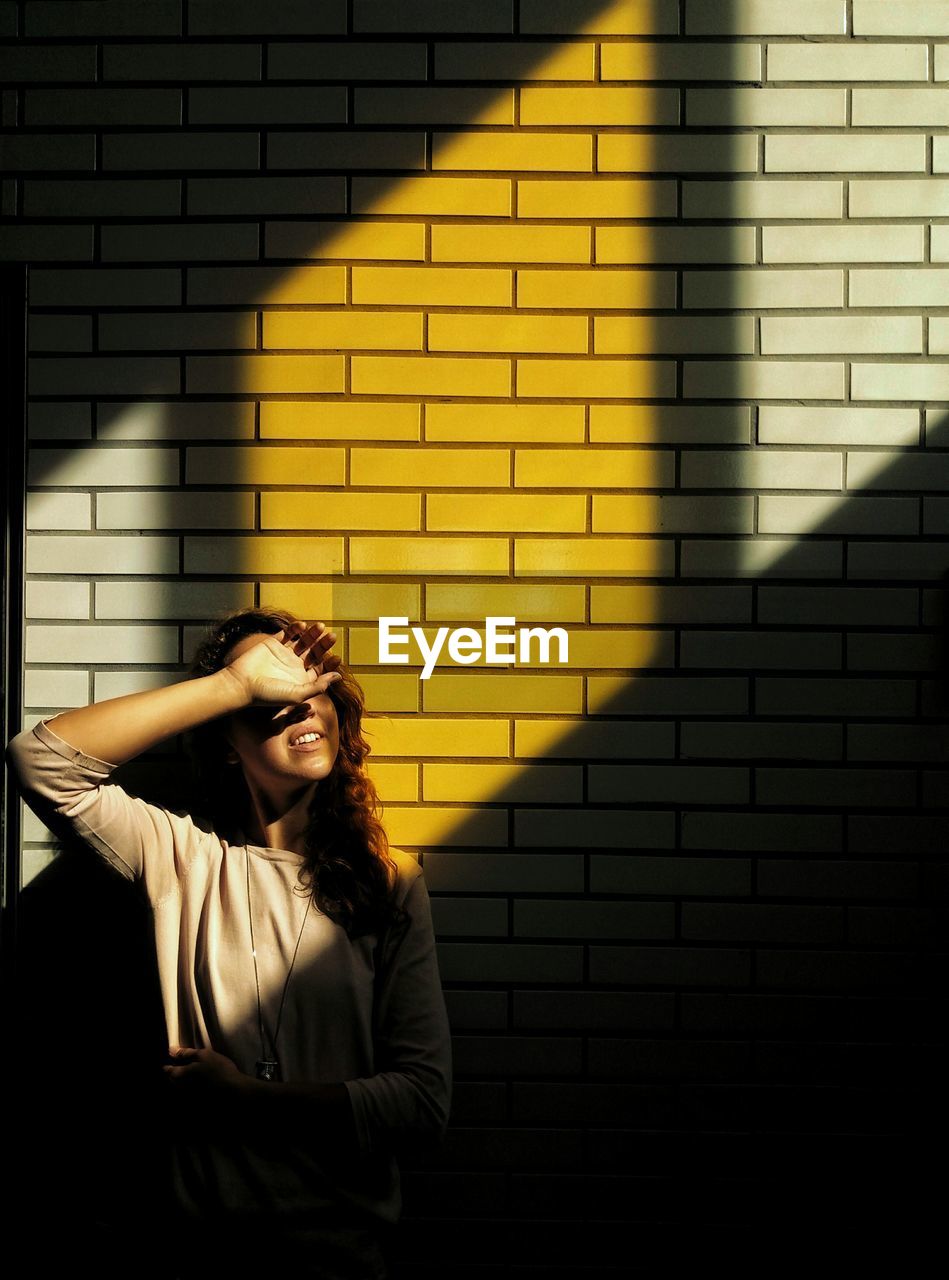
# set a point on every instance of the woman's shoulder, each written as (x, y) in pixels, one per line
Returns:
(408, 868)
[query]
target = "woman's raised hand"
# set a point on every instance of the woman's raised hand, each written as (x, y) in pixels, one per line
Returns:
(288, 667)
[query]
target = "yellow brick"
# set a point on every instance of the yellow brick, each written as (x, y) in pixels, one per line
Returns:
(264, 375)
(596, 289)
(503, 783)
(499, 512)
(504, 422)
(433, 286)
(265, 464)
(633, 650)
(430, 737)
(445, 825)
(360, 601)
(389, 693)
(644, 335)
(338, 420)
(396, 783)
(588, 557)
(514, 61)
(626, 513)
(507, 693)
(675, 244)
(667, 424)
(626, 602)
(600, 106)
(343, 511)
(430, 376)
(429, 555)
(344, 330)
(373, 240)
(546, 602)
(676, 153)
(457, 331)
(467, 196)
(584, 379)
(549, 152)
(258, 555)
(425, 468)
(593, 468)
(676, 60)
(493, 242)
(602, 198)
(600, 739)
(431, 105)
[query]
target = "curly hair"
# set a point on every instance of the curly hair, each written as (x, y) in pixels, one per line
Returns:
(347, 866)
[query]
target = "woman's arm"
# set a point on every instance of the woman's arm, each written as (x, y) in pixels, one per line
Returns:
(282, 668)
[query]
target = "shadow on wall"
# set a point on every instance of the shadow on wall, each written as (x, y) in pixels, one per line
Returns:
(724, 871)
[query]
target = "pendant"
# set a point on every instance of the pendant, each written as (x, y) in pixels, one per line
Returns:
(268, 1069)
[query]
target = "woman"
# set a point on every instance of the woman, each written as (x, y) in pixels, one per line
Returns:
(307, 1030)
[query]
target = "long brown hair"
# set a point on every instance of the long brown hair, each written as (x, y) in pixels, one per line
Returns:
(347, 865)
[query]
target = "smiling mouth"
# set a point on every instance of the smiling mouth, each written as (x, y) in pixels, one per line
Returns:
(308, 742)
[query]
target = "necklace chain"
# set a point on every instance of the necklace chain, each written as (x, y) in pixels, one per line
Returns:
(269, 1069)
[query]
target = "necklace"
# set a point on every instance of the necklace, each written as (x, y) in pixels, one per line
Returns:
(268, 1068)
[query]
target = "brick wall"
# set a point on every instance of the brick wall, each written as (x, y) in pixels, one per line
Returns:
(626, 317)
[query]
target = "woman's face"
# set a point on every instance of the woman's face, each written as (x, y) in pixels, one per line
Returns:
(263, 737)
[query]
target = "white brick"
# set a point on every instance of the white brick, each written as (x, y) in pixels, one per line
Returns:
(939, 335)
(102, 644)
(49, 510)
(789, 335)
(900, 18)
(844, 152)
(873, 242)
(179, 510)
(941, 62)
(794, 424)
(59, 421)
(757, 557)
(761, 198)
(52, 688)
(839, 61)
(941, 153)
(763, 287)
(57, 599)
(906, 198)
(900, 106)
(749, 107)
(874, 470)
(116, 684)
(817, 513)
(908, 381)
(98, 467)
(923, 287)
(154, 601)
(47, 553)
(766, 17)
(939, 242)
(764, 379)
(761, 469)
(154, 421)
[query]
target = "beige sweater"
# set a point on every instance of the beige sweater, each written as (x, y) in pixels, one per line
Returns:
(399, 1082)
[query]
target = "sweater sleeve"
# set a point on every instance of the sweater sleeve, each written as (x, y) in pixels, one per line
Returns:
(410, 1094)
(67, 790)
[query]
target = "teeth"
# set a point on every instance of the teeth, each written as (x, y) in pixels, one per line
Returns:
(306, 737)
